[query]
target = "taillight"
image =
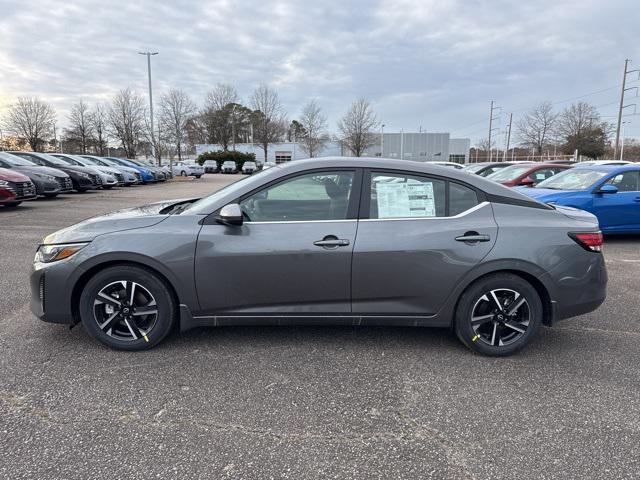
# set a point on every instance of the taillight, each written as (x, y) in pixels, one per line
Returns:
(591, 241)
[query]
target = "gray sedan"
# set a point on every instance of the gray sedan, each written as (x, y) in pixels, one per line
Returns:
(332, 240)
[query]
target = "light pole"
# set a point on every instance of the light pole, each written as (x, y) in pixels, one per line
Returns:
(382, 140)
(153, 137)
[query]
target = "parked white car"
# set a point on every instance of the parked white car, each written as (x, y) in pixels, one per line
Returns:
(210, 166)
(249, 168)
(186, 169)
(229, 167)
(268, 165)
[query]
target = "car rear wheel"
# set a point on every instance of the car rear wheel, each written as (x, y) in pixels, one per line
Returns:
(127, 308)
(12, 204)
(498, 315)
(50, 195)
(183, 173)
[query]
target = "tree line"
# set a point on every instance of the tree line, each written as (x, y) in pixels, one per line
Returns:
(223, 119)
(577, 127)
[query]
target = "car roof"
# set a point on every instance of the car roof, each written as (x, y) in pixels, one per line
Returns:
(487, 186)
(609, 168)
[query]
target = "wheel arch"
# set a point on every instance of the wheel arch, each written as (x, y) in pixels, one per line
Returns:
(80, 283)
(536, 283)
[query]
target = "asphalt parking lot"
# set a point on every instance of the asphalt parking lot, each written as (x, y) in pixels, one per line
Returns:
(310, 402)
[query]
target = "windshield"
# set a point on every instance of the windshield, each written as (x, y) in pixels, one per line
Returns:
(70, 160)
(474, 167)
(54, 160)
(16, 161)
(573, 179)
(86, 161)
(106, 163)
(509, 173)
(205, 205)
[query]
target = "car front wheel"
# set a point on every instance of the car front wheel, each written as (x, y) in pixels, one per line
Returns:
(127, 308)
(498, 314)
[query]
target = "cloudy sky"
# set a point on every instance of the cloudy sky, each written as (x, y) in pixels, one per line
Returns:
(434, 64)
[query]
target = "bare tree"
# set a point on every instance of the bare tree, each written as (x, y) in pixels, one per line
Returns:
(577, 118)
(216, 114)
(269, 120)
(221, 95)
(537, 126)
(99, 124)
(127, 120)
(80, 128)
(314, 127)
(32, 119)
(357, 127)
(176, 109)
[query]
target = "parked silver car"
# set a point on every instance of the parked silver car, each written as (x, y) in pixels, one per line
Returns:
(249, 167)
(330, 240)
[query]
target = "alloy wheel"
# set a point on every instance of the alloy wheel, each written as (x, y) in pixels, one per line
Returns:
(500, 317)
(125, 310)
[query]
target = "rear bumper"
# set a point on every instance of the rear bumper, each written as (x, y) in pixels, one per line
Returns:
(581, 289)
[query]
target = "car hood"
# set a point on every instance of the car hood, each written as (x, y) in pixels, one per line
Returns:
(12, 175)
(546, 194)
(54, 172)
(126, 219)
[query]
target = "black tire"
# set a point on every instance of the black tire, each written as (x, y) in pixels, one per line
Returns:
(159, 324)
(198, 176)
(12, 204)
(183, 173)
(50, 195)
(107, 187)
(484, 335)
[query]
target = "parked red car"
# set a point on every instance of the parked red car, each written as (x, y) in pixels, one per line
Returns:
(526, 174)
(15, 188)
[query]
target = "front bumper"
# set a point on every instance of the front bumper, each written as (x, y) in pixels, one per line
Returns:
(51, 290)
(17, 192)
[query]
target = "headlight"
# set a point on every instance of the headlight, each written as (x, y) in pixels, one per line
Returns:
(84, 175)
(4, 183)
(53, 253)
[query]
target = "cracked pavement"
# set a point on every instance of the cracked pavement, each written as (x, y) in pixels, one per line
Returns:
(310, 402)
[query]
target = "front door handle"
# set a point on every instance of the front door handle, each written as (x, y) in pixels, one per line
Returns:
(473, 237)
(331, 241)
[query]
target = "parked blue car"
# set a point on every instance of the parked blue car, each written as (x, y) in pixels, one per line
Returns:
(147, 175)
(611, 193)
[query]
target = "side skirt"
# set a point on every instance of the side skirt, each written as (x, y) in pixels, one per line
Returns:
(188, 321)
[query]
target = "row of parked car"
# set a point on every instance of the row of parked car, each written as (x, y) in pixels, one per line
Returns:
(28, 175)
(229, 166)
(609, 189)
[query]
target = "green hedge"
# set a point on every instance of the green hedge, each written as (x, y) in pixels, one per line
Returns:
(221, 156)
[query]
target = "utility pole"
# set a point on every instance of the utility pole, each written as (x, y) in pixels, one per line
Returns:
(153, 135)
(382, 140)
(622, 105)
(506, 149)
(491, 119)
(624, 125)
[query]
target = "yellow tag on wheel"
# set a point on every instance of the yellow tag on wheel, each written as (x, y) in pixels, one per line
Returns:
(475, 338)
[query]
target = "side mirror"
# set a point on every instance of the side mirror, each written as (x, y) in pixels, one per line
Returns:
(528, 182)
(608, 188)
(230, 215)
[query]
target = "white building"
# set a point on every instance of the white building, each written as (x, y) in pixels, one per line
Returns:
(421, 147)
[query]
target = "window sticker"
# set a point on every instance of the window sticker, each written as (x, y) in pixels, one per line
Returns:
(410, 199)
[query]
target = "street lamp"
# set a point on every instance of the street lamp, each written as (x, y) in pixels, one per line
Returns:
(153, 138)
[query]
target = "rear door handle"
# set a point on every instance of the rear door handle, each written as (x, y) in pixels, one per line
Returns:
(331, 242)
(473, 237)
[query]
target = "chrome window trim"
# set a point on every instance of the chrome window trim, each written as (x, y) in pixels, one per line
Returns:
(460, 215)
(303, 221)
